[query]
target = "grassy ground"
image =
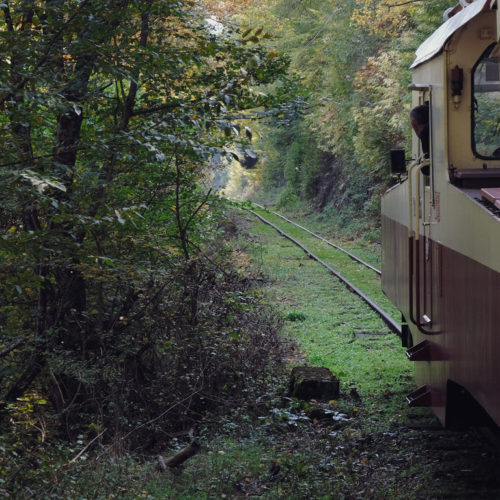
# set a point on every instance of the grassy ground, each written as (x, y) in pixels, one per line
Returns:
(365, 444)
(408, 455)
(332, 317)
(360, 276)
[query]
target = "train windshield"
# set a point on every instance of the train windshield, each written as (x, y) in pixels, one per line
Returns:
(486, 109)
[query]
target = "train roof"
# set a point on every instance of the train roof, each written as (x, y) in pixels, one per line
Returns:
(435, 43)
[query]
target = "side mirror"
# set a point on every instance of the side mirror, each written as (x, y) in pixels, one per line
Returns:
(398, 161)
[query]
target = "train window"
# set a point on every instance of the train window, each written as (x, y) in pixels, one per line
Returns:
(486, 106)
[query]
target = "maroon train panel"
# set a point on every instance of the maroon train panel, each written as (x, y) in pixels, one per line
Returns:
(461, 297)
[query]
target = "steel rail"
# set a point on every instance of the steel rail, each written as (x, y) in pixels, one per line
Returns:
(324, 240)
(390, 322)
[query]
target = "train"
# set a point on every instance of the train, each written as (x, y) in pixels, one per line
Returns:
(441, 221)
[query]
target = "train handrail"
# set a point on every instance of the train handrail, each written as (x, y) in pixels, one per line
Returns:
(414, 251)
(417, 166)
(423, 163)
(410, 198)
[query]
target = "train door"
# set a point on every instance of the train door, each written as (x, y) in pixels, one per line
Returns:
(424, 213)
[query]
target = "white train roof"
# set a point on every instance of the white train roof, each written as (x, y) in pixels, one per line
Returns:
(435, 43)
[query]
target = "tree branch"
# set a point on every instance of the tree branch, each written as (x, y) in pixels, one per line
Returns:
(180, 226)
(404, 3)
(179, 458)
(168, 410)
(192, 216)
(164, 107)
(8, 17)
(85, 448)
(12, 346)
(46, 53)
(128, 109)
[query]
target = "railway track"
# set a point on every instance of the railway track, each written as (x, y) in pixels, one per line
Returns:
(391, 323)
(324, 240)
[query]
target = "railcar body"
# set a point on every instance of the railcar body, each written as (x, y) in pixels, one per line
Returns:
(441, 231)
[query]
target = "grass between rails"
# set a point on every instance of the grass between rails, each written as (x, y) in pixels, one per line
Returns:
(360, 276)
(332, 316)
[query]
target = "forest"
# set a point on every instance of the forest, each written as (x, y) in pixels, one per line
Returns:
(125, 319)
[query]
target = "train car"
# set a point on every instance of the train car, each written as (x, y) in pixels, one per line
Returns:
(441, 221)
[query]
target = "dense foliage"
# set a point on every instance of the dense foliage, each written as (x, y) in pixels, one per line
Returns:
(348, 104)
(119, 307)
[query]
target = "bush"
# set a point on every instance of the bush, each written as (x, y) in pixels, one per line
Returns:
(193, 338)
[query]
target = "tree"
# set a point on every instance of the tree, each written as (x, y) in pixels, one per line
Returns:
(352, 59)
(110, 110)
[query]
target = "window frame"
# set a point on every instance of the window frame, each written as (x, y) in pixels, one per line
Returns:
(481, 58)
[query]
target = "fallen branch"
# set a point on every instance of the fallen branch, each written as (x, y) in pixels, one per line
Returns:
(161, 464)
(179, 458)
(86, 447)
(160, 415)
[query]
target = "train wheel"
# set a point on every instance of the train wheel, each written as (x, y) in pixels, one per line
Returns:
(406, 337)
(462, 410)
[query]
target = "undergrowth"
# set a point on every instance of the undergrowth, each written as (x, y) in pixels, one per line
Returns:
(202, 348)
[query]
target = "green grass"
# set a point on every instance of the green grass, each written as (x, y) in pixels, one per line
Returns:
(360, 276)
(332, 317)
(295, 316)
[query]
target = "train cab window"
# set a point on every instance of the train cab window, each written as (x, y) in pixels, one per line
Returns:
(486, 106)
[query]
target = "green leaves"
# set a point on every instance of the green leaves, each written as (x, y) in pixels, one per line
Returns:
(257, 36)
(345, 101)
